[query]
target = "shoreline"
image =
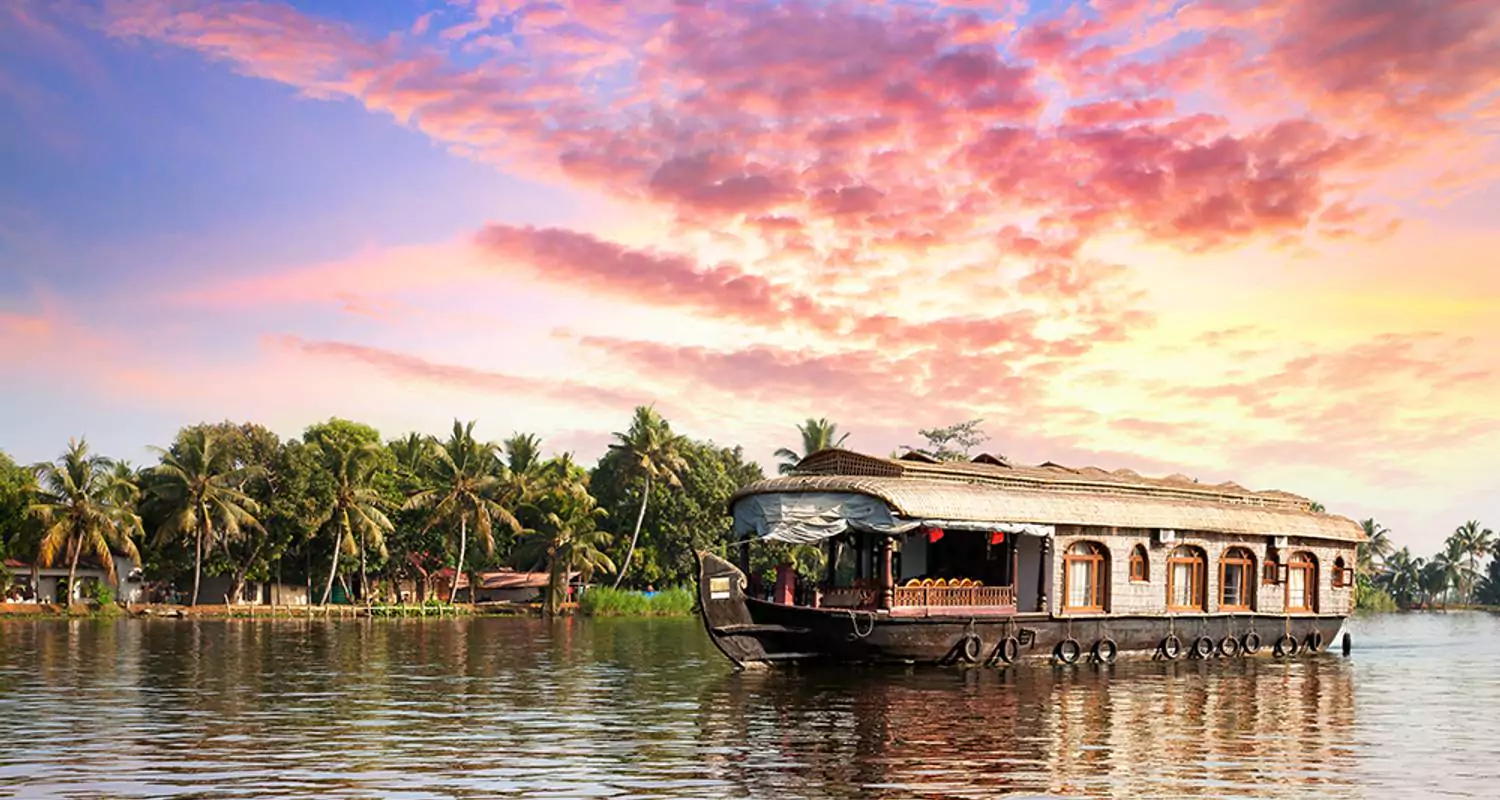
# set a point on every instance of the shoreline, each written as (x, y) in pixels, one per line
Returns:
(17, 611)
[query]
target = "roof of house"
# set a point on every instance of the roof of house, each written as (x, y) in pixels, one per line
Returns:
(511, 579)
(992, 489)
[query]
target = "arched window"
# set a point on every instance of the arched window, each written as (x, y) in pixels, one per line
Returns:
(1236, 580)
(1186, 568)
(1140, 568)
(1301, 582)
(1085, 573)
(1342, 576)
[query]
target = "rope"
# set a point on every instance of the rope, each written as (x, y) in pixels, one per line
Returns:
(854, 622)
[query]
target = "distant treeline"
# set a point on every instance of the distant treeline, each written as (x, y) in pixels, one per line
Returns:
(342, 504)
(1390, 578)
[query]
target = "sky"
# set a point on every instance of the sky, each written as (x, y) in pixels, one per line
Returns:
(1248, 241)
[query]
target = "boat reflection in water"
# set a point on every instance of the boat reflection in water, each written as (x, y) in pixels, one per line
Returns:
(1249, 728)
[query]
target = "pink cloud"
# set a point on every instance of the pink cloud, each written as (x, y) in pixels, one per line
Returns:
(407, 367)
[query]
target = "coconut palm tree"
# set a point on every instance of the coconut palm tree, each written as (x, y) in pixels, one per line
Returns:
(84, 506)
(466, 484)
(1377, 545)
(652, 452)
(1401, 576)
(564, 535)
(817, 434)
(198, 493)
(1476, 543)
(1449, 569)
(357, 522)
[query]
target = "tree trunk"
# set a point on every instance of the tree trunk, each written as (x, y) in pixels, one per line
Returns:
(237, 584)
(365, 586)
(557, 586)
(463, 541)
(73, 573)
(197, 566)
(640, 517)
(333, 568)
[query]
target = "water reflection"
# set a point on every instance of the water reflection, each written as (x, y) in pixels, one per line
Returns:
(1187, 729)
(485, 708)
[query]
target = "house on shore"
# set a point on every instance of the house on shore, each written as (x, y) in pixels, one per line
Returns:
(215, 590)
(49, 584)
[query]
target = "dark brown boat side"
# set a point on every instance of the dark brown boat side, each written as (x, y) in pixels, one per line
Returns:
(985, 563)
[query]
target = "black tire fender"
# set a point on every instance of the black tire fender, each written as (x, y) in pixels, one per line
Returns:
(1170, 647)
(1229, 647)
(1106, 651)
(1068, 650)
(1009, 649)
(970, 648)
(1250, 643)
(1203, 647)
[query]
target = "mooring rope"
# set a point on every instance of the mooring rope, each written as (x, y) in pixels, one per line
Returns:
(854, 621)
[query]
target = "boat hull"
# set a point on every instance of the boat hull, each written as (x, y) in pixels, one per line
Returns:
(752, 632)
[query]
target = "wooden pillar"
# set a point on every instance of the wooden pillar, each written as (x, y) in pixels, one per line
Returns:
(1014, 542)
(745, 555)
(1043, 565)
(833, 564)
(887, 580)
(861, 571)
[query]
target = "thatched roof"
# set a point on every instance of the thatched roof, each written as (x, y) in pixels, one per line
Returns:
(1056, 495)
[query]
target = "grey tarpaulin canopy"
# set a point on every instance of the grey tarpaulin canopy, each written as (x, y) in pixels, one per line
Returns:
(810, 517)
(834, 490)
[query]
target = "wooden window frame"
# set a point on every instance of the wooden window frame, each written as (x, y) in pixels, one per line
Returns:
(1272, 572)
(1138, 557)
(1307, 563)
(1199, 578)
(1245, 559)
(1095, 560)
(1341, 577)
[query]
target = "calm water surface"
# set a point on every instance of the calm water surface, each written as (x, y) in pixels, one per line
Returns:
(500, 707)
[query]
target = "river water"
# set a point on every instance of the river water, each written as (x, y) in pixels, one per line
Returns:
(636, 708)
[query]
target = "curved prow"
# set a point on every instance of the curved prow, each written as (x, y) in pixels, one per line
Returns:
(721, 595)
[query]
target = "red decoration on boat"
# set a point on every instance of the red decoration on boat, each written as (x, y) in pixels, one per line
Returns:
(934, 534)
(997, 537)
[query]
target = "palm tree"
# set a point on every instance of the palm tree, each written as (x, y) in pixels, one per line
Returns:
(357, 522)
(1377, 545)
(1476, 543)
(817, 434)
(196, 489)
(465, 484)
(84, 506)
(1449, 571)
(565, 536)
(1401, 576)
(651, 451)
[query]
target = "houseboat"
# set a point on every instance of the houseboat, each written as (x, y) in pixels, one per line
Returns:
(987, 563)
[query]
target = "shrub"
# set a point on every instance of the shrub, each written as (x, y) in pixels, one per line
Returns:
(602, 601)
(1371, 598)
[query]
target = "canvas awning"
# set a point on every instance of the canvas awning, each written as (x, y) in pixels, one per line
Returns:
(810, 517)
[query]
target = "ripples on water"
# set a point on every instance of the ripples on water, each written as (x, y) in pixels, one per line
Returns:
(492, 707)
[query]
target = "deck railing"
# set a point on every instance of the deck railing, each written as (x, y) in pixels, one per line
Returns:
(944, 596)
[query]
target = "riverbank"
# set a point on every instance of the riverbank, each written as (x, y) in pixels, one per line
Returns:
(599, 602)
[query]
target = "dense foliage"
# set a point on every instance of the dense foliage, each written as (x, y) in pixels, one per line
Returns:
(1396, 577)
(350, 516)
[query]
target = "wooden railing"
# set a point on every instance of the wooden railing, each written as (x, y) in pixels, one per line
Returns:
(945, 596)
(858, 597)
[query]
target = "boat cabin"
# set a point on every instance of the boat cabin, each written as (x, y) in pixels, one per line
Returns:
(912, 537)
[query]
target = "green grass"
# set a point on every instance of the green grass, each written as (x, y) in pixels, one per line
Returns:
(602, 601)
